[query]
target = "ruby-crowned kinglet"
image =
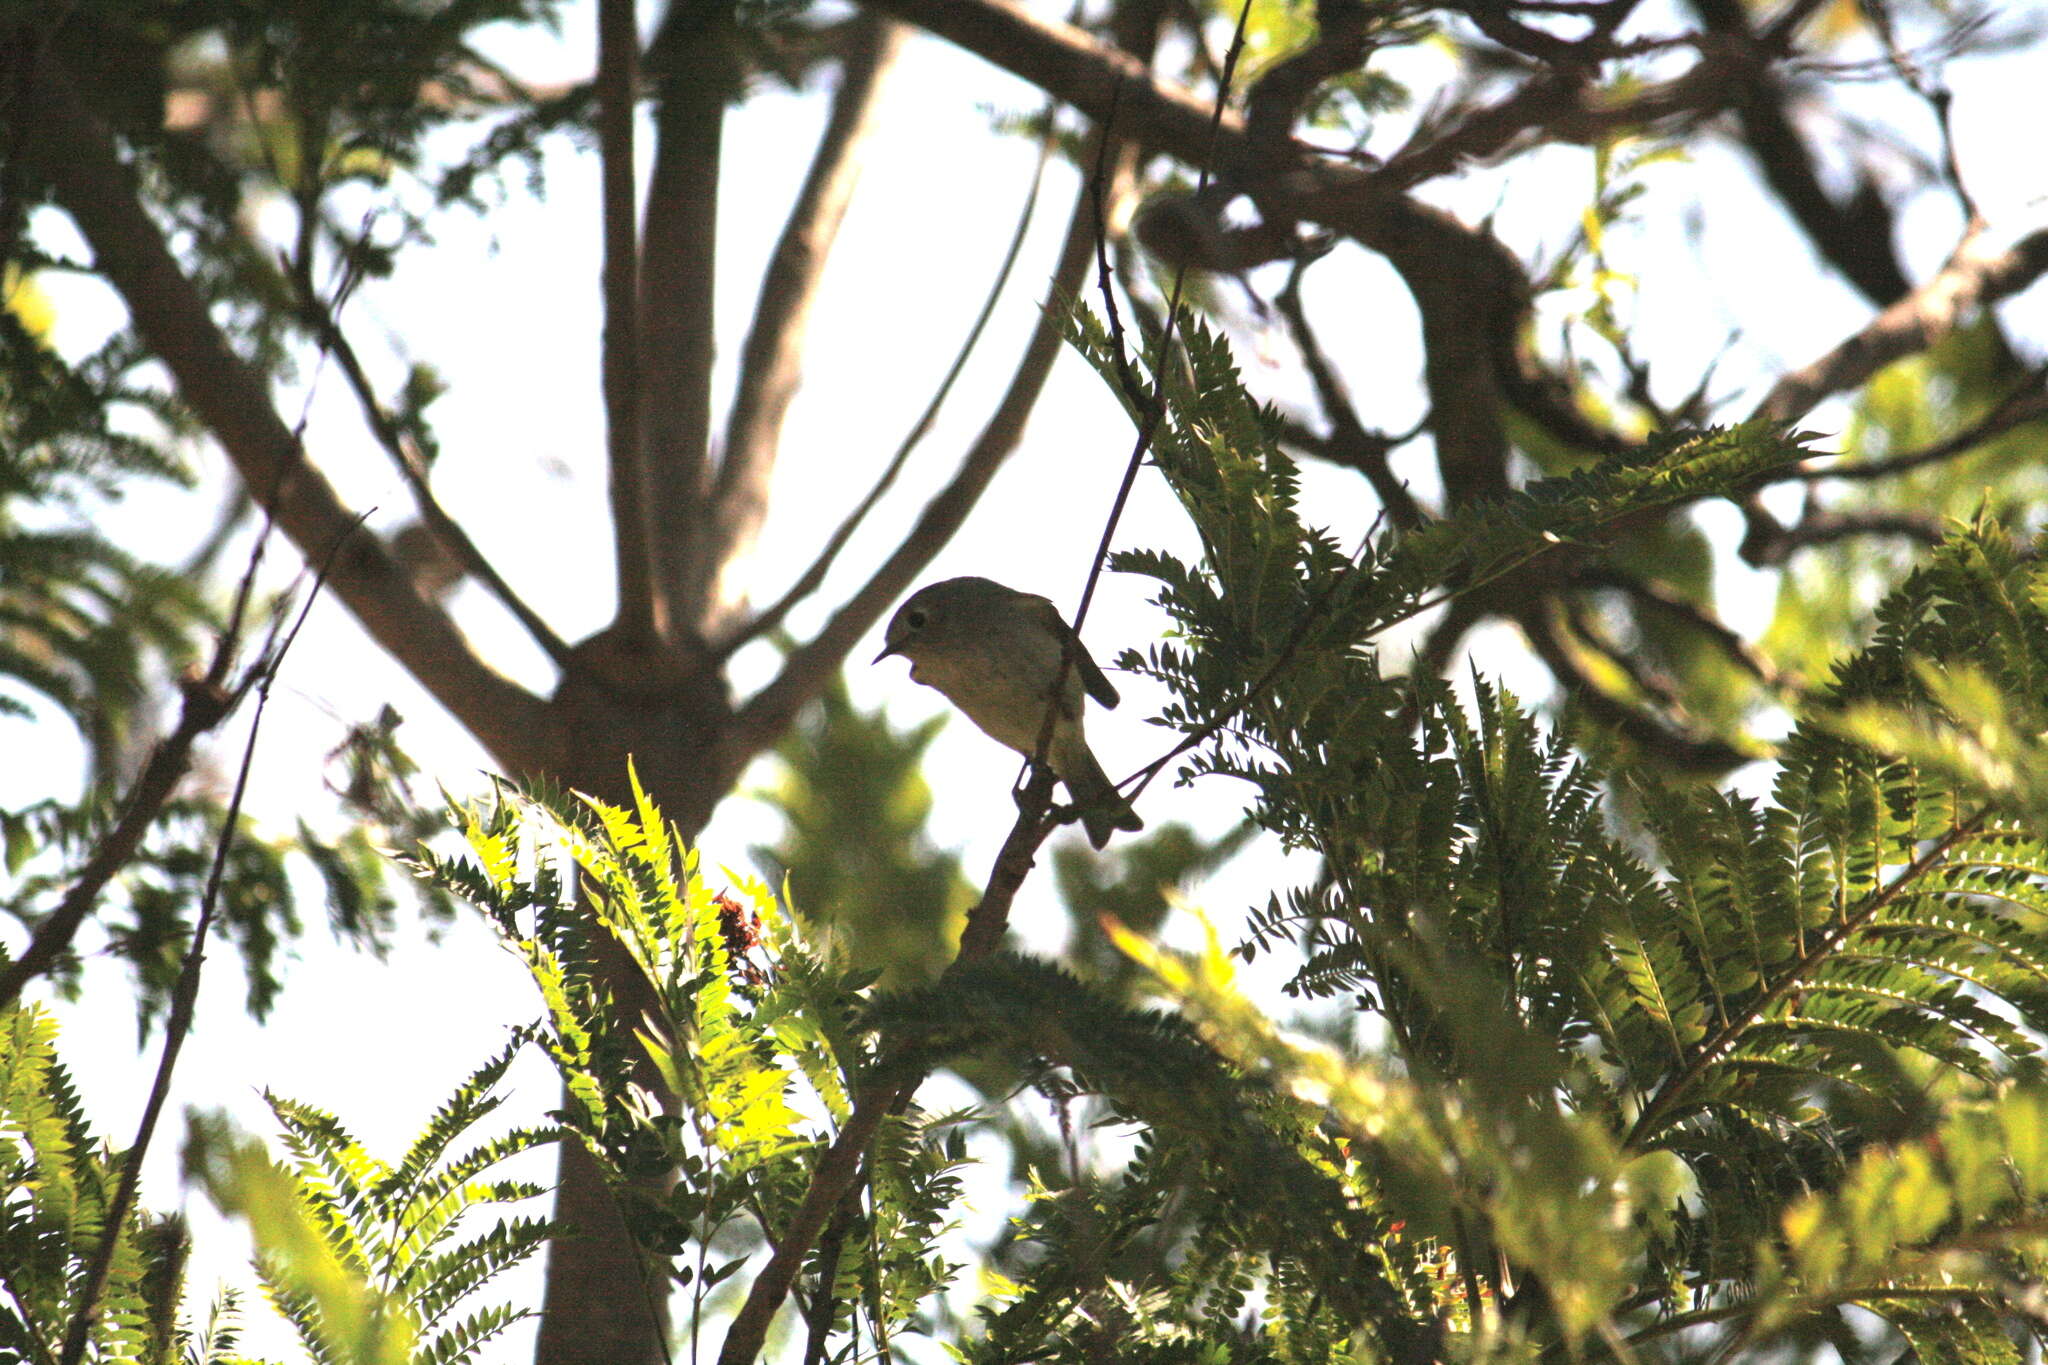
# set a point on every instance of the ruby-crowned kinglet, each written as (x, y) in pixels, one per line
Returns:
(995, 652)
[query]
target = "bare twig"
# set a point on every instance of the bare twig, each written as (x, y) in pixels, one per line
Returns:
(1935, 93)
(185, 995)
(1350, 442)
(1825, 528)
(1152, 407)
(641, 612)
(2027, 403)
(771, 361)
(807, 582)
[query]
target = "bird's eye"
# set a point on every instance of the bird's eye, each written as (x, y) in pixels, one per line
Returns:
(915, 619)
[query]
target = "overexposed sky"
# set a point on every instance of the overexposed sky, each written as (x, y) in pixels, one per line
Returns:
(507, 309)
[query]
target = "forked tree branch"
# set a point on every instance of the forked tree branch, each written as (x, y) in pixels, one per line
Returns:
(806, 670)
(205, 705)
(771, 362)
(446, 531)
(1853, 234)
(812, 577)
(75, 152)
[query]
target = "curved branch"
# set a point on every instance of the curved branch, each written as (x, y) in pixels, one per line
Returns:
(1546, 632)
(445, 529)
(74, 151)
(1853, 235)
(2027, 403)
(1350, 442)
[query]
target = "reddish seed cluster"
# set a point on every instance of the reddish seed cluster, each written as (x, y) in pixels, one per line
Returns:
(741, 929)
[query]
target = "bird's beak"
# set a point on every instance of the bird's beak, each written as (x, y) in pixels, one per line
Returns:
(887, 650)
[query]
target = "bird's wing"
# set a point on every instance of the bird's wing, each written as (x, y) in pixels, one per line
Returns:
(1092, 677)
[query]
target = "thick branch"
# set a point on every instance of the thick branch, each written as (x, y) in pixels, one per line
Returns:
(1973, 279)
(1854, 236)
(771, 364)
(74, 151)
(692, 64)
(1769, 544)
(205, 706)
(642, 613)
(1077, 69)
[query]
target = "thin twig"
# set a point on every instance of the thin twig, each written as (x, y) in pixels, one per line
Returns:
(1934, 92)
(1350, 442)
(185, 995)
(771, 358)
(2026, 403)
(1151, 407)
(207, 701)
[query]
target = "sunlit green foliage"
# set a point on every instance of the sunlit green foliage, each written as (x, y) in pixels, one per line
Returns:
(727, 1074)
(374, 1262)
(56, 1186)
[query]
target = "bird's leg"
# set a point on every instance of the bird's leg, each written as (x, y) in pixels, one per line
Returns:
(1020, 787)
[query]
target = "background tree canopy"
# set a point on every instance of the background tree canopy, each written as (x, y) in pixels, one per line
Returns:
(1678, 999)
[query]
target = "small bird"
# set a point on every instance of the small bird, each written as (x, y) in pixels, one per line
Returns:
(995, 652)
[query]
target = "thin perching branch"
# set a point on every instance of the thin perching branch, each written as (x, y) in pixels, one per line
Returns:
(2026, 403)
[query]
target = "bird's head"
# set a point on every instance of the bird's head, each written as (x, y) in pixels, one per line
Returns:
(937, 613)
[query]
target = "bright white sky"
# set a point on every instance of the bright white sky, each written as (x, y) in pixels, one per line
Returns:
(507, 309)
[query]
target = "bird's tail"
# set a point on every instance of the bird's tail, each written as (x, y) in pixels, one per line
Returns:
(1103, 808)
